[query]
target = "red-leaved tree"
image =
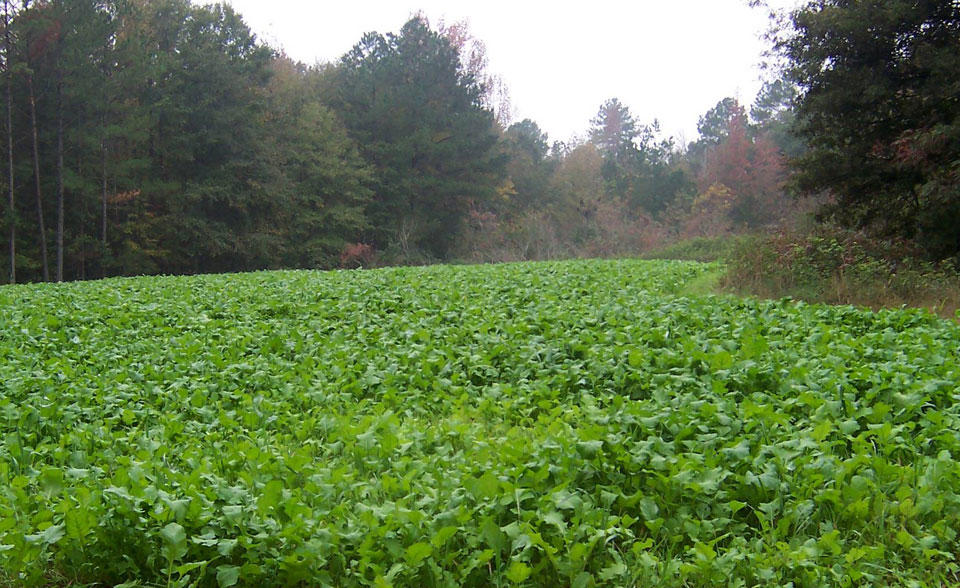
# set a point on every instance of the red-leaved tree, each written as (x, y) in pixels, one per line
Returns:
(750, 172)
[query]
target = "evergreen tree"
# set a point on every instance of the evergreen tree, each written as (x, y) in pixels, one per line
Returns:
(419, 119)
(772, 115)
(879, 113)
(159, 128)
(712, 128)
(11, 193)
(636, 161)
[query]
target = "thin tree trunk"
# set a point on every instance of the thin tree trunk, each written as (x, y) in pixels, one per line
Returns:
(83, 232)
(105, 88)
(13, 203)
(59, 175)
(103, 197)
(36, 178)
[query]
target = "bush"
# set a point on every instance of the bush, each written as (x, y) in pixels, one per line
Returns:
(839, 266)
(357, 255)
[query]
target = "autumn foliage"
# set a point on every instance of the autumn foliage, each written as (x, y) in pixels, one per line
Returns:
(742, 178)
(355, 255)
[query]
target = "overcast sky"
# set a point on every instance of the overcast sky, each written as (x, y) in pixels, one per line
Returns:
(668, 59)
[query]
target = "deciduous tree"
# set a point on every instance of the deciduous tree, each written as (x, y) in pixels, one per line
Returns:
(748, 172)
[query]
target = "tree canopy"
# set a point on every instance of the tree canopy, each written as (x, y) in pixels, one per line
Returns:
(419, 118)
(878, 111)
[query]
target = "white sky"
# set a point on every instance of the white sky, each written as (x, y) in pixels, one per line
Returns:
(666, 59)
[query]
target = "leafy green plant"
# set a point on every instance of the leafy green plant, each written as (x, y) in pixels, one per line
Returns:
(579, 423)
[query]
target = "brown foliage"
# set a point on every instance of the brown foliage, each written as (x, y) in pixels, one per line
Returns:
(357, 255)
(751, 171)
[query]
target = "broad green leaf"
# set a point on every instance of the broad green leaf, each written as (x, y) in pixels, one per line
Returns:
(583, 580)
(649, 508)
(227, 575)
(613, 571)
(174, 539)
(518, 572)
(442, 536)
(416, 553)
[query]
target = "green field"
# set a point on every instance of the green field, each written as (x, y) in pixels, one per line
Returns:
(550, 424)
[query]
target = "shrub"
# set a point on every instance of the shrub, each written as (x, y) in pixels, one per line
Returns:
(356, 255)
(840, 266)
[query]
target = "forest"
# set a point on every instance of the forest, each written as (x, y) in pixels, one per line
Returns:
(162, 137)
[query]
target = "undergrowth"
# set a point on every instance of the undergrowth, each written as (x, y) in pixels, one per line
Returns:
(841, 267)
(705, 249)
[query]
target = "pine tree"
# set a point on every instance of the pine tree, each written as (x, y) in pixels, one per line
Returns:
(419, 119)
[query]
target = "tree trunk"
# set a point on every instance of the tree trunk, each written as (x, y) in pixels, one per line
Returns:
(13, 203)
(59, 175)
(103, 198)
(36, 178)
(83, 232)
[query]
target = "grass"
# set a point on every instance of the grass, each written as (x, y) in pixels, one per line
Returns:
(701, 249)
(709, 282)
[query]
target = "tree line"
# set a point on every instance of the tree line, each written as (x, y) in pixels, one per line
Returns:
(158, 136)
